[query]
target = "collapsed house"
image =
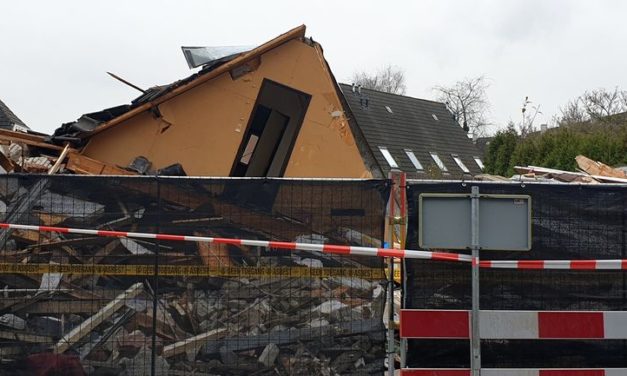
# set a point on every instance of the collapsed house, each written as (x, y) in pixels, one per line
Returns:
(274, 110)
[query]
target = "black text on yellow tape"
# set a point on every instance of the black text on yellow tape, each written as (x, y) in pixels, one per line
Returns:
(192, 271)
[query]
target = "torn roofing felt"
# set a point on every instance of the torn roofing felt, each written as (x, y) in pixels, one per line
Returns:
(399, 123)
(94, 122)
(7, 118)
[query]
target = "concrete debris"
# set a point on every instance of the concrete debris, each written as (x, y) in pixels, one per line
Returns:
(269, 354)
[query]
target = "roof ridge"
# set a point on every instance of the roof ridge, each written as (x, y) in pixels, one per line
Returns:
(393, 94)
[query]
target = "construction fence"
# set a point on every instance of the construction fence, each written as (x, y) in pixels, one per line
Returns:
(111, 305)
(569, 222)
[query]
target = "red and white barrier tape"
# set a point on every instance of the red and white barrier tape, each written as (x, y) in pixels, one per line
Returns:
(516, 372)
(345, 249)
(556, 264)
(325, 248)
(442, 324)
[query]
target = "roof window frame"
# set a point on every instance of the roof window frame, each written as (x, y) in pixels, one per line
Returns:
(460, 163)
(413, 159)
(438, 161)
(479, 162)
(388, 156)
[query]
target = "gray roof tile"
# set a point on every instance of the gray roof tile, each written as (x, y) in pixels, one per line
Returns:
(410, 125)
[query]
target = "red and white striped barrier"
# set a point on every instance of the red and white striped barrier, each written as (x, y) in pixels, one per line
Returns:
(325, 248)
(556, 264)
(345, 249)
(516, 372)
(415, 323)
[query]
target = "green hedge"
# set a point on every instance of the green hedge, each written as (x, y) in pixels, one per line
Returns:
(557, 147)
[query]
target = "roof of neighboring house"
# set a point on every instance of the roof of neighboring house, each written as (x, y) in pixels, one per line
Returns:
(8, 118)
(96, 122)
(401, 123)
(483, 143)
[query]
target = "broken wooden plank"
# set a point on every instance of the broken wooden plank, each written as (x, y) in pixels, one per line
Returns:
(28, 139)
(213, 254)
(49, 307)
(192, 343)
(81, 164)
(21, 206)
(593, 167)
(88, 325)
(24, 337)
(6, 163)
(373, 327)
(57, 164)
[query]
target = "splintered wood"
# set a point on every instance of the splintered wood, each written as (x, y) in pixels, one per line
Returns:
(220, 324)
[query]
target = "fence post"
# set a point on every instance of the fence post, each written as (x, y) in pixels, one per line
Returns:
(392, 176)
(155, 285)
(475, 339)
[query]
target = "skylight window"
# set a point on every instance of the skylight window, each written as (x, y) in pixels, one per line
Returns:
(438, 161)
(459, 162)
(413, 159)
(435, 117)
(479, 162)
(388, 157)
(389, 109)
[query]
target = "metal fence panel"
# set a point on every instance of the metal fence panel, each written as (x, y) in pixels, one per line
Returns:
(569, 222)
(81, 304)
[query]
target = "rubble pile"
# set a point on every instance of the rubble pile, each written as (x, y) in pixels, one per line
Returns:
(107, 322)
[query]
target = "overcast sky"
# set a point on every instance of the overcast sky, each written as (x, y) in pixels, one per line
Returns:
(54, 54)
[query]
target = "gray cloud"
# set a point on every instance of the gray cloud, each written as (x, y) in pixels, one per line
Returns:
(54, 55)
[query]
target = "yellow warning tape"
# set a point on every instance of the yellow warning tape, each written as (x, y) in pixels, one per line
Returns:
(192, 271)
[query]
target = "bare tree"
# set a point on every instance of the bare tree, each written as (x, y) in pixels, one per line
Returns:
(593, 105)
(468, 102)
(390, 79)
(529, 114)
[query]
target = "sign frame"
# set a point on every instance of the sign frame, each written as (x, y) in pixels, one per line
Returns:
(421, 217)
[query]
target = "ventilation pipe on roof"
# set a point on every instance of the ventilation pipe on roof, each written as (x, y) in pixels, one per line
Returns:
(543, 128)
(353, 87)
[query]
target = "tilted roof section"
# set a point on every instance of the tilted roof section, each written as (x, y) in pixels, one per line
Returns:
(401, 123)
(159, 94)
(8, 118)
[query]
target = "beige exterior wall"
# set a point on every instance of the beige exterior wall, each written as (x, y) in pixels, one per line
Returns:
(208, 123)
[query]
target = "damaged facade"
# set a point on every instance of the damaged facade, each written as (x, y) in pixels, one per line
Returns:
(275, 110)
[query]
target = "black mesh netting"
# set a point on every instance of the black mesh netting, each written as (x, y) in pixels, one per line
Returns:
(74, 304)
(568, 222)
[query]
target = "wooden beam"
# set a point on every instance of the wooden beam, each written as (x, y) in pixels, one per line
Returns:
(593, 167)
(297, 32)
(104, 313)
(6, 163)
(24, 337)
(192, 343)
(49, 307)
(28, 139)
(81, 164)
(57, 164)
